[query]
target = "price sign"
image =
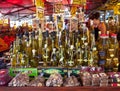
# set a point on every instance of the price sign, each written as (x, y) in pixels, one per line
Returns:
(31, 71)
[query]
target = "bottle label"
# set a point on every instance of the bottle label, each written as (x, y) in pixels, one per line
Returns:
(111, 50)
(101, 62)
(112, 55)
(61, 59)
(115, 58)
(33, 51)
(22, 61)
(84, 38)
(101, 53)
(31, 71)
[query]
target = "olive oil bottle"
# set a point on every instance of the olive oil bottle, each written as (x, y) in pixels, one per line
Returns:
(46, 53)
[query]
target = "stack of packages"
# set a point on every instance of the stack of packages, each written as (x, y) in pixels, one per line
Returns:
(99, 79)
(114, 78)
(93, 77)
(85, 78)
(103, 79)
(71, 81)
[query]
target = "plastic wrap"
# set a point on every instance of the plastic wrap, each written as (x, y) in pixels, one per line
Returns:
(71, 81)
(54, 80)
(95, 80)
(103, 79)
(38, 82)
(85, 78)
(21, 79)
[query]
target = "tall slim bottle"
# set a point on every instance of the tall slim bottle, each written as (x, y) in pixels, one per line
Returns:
(46, 53)
(33, 60)
(71, 60)
(61, 56)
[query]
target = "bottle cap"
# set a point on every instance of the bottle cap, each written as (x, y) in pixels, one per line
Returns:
(113, 35)
(103, 36)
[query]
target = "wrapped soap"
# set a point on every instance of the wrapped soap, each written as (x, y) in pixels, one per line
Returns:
(54, 80)
(95, 80)
(37, 82)
(21, 79)
(71, 81)
(114, 77)
(85, 78)
(103, 79)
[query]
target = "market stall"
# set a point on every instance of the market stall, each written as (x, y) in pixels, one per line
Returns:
(60, 50)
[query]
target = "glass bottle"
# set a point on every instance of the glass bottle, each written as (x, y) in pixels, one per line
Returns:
(24, 60)
(71, 60)
(79, 56)
(109, 55)
(34, 62)
(46, 53)
(40, 38)
(13, 61)
(28, 49)
(102, 50)
(84, 36)
(85, 55)
(90, 59)
(93, 43)
(61, 56)
(115, 46)
(54, 59)
(13, 55)
(95, 56)
(78, 50)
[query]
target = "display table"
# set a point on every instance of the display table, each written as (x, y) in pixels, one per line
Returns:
(59, 88)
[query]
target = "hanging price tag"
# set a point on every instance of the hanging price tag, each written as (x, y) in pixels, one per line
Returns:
(117, 9)
(40, 12)
(31, 71)
(79, 2)
(39, 3)
(76, 2)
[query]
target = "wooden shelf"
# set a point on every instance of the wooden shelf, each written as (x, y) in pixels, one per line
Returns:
(59, 88)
